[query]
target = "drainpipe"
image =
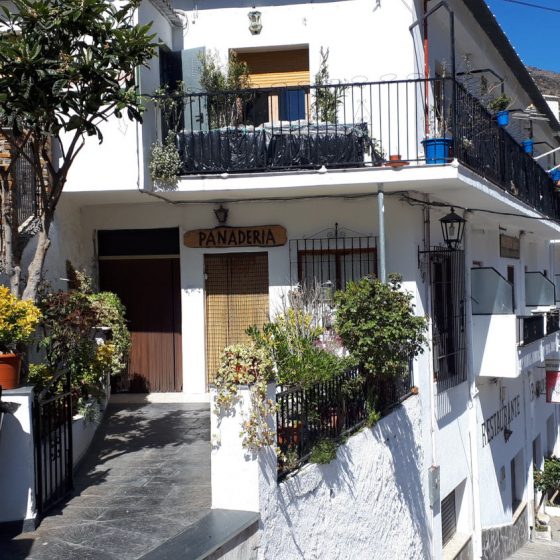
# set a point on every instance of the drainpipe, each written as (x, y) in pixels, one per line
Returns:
(472, 403)
(432, 385)
(381, 219)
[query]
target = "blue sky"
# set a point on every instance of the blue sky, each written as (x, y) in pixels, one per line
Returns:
(534, 33)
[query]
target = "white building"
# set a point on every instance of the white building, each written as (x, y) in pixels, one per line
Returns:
(402, 73)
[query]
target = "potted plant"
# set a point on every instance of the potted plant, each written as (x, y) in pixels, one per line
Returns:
(528, 146)
(438, 142)
(18, 320)
(500, 106)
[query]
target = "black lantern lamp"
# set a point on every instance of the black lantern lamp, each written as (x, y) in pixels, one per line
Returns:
(221, 214)
(453, 228)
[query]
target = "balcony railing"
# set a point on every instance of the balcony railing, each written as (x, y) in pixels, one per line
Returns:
(530, 328)
(331, 410)
(368, 124)
(539, 290)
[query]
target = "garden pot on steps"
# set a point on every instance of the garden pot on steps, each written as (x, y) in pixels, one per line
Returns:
(10, 366)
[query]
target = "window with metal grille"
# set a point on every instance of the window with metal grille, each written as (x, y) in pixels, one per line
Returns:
(332, 261)
(448, 518)
(448, 324)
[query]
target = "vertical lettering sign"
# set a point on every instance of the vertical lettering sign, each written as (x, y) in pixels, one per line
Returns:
(500, 420)
(224, 237)
(553, 386)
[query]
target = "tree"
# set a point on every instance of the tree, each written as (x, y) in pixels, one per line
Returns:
(66, 66)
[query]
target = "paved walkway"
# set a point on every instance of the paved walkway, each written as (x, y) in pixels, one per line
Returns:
(540, 549)
(145, 479)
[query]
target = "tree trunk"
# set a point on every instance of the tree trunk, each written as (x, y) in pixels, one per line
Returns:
(36, 267)
(11, 255)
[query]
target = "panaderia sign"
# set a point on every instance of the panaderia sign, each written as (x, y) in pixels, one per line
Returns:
(230, 237)
(500, 420)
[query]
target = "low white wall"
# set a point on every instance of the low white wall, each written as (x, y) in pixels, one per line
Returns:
(370, 502)
(17, 473)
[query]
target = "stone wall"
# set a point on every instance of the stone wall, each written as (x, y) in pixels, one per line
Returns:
(466, 553)
(499, 543)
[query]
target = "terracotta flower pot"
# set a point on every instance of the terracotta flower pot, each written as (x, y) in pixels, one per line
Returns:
(395, 161)
(10, 365)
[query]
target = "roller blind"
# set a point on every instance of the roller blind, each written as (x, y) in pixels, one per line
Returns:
(277, 68)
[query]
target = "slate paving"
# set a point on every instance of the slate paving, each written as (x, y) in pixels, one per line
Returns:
(538, 549)
(145, 479)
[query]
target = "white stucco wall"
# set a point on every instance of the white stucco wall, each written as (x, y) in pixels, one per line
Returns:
(369, 503)
(17, 459)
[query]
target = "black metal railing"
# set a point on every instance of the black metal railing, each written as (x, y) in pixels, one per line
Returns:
(52, 417)
(492, 152)
(530, 328)
(552, 322)
(364, 124)
(331, 410)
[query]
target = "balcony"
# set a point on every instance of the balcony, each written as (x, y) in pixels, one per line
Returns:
(494, 324)
(539, 290)
(354, 125)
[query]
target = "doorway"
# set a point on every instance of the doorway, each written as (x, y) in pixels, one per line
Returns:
(236, 286)
(142, 267)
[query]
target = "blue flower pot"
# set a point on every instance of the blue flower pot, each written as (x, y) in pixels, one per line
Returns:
(437, 150)
(555, 175)
(503, 118)
(528, 146)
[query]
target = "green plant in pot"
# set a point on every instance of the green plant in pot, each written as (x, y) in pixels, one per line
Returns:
(500, 106)
(18, 321)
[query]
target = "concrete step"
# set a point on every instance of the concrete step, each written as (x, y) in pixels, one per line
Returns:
(219, 530)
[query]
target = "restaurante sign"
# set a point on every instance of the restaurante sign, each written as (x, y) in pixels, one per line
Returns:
(500, 420)
(223, 237)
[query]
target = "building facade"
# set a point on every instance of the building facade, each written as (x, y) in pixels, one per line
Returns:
(329, 182)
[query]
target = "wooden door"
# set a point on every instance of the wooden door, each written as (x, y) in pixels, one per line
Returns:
(150, 291)
(236, 298)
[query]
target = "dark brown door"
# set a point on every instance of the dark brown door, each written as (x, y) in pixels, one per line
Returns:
(150, 290)
(236, 298)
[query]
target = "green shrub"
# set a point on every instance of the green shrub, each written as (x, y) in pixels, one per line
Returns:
(547, 480)
(377, 324)
(323, 452)
(292, 340)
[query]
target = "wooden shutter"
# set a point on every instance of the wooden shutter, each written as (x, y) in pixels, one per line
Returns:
(277, 68)
(236, 298)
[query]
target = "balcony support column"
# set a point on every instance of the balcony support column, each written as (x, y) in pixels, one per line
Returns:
(381, 219)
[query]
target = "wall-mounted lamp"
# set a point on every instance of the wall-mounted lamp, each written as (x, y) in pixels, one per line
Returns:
(453, 228)
(507, 434)
(255, 25)
(221, 214)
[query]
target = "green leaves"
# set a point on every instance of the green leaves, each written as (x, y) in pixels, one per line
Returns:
(65, 64)
(377, 324)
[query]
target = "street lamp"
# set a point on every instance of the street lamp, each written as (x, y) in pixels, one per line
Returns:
(221, 214)
(453, 228)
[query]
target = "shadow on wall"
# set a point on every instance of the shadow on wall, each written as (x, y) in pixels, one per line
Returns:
(381, 482)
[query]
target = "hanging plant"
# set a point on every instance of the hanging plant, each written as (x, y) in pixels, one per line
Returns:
(245, 364)
(165, 163)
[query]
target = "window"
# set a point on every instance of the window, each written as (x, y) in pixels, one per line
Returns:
(514, 500)
(333, 261)
(511, 280)
(448, 307)
(448, 518)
